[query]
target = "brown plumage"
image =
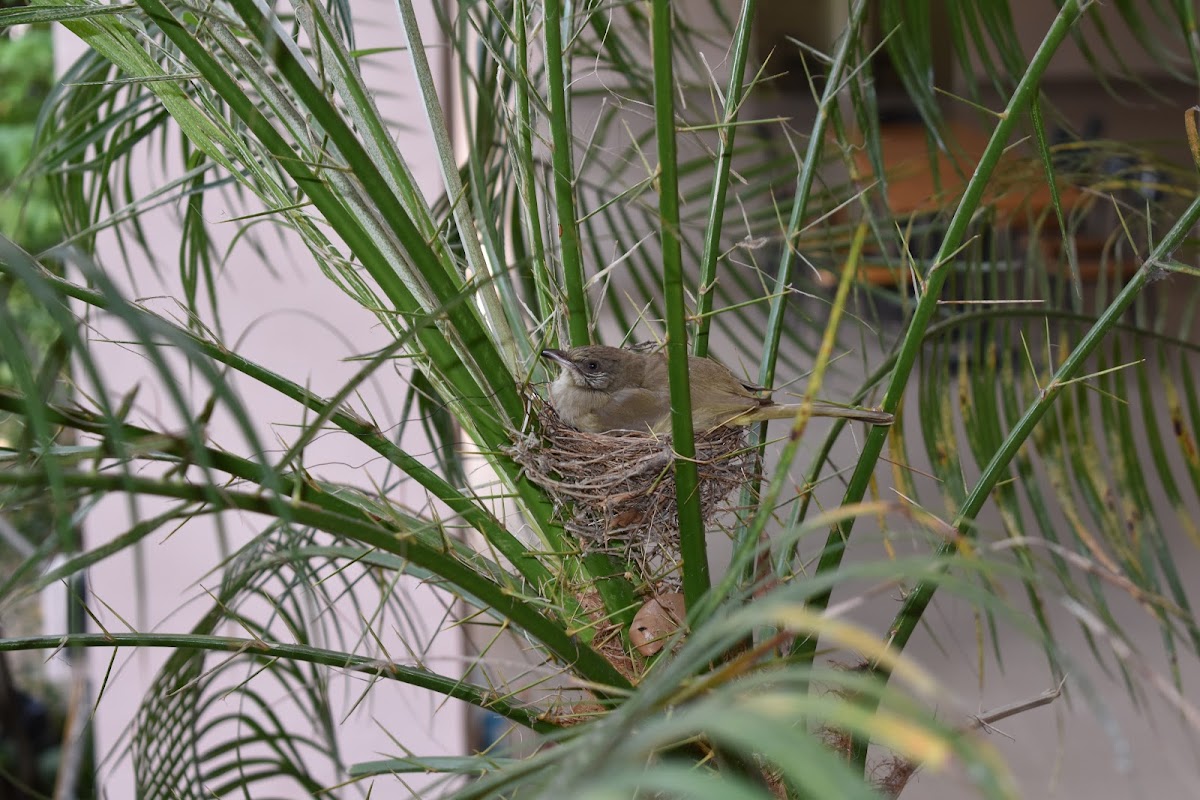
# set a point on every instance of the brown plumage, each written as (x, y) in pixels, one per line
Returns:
(606, 388)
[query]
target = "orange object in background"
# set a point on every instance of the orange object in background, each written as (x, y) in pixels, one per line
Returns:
(1017, 189)
(921, 186)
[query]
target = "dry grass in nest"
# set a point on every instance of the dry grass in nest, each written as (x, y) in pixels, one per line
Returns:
(616, 491)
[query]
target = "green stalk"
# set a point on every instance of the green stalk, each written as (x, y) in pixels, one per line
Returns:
(1187, 18)
(38, 429)
(822, 455)
(996, 469)
(727, 130)
(340, 69)
(21, 265)
(491, 85)
(256, 648)
(525, 166)
(566, 648)
(913, 608)
(370, 435)
(468, 232)
(578, 324)
(152, 445)
(475, 345)
(368, 199)
(1026, 91)
(747, 545)
(359, 227)
(42, 16)
(780, 291)
(804, 182)
(687, 476)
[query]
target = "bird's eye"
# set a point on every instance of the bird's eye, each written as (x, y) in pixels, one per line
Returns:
(593, 366)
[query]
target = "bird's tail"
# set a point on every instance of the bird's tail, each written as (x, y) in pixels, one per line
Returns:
(818, 409)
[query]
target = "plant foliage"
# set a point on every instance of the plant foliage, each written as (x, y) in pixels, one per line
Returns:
(607, 171)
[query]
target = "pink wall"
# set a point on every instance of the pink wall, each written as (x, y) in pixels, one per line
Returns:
(298, 324)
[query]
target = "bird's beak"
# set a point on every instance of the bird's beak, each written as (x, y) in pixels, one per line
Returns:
(558, 357)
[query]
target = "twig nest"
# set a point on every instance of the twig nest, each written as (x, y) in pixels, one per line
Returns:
(657, 621)
(616, 490)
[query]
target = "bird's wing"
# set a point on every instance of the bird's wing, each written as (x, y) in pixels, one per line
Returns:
(632, 409)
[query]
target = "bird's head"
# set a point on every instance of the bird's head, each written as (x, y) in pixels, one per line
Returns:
(596, 367)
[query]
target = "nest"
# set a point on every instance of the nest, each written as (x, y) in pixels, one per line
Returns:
(616, 491)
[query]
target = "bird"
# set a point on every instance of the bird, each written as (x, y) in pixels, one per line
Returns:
(601, 389)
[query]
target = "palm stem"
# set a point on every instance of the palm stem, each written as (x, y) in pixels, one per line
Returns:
(578, 323)
(913, 608)
(366, 432)
(997, 467)
(747, 545)
(567, 648)
(727, 130)
(257, 648)
(687, 477)
(781, 291)
(464, 215)
(1025, 92)
(524, 164)
(808, 172)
